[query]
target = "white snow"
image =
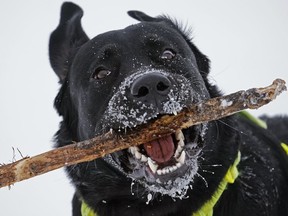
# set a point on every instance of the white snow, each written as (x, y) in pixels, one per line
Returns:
(225, 103)
(149, 198)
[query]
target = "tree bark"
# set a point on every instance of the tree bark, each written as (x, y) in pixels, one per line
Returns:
(100, 146)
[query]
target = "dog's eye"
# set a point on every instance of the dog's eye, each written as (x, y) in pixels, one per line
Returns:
(101, 73)
(168, 54)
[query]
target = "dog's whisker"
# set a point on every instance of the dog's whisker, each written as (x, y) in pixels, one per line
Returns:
(217, 130)
(211, 165)
(208, 171)
(230, 126)
(204, 180)
(131, 187)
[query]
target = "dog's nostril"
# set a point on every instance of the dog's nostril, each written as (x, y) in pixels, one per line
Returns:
(143, 91)
(161, 86)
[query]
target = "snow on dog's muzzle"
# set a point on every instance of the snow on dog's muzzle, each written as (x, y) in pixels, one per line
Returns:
(145, 95)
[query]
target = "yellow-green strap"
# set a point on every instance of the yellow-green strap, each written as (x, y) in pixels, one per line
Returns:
(254, 119)
(229, 178)
(285, 147)
(86, 210)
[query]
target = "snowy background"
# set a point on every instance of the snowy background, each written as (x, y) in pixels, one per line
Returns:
(247, 42)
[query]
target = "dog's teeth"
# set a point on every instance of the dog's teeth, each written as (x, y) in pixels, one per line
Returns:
(177, 152)
(163, 171)
(171, 169)
(159, 172)
(174, 168)
(167, 170)
(178, 165)
(181, 159)
(133, 149)
(138, 155)
(152, 165)
(144, 158)
(179, 149)
(130, 150)
(136, 152)
(174, 112)
(181, 143)
(179, 135)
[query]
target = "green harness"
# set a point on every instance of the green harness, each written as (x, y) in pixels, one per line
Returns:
(229, 178)
(86, 210)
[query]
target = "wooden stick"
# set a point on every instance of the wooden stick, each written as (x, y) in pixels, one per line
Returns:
(100, 146)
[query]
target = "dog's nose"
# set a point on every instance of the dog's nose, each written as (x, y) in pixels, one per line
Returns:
(151, 88)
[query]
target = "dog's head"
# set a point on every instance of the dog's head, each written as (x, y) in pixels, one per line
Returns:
(122, 79)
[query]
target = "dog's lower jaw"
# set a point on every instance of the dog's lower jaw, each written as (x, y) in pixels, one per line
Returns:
(174, 184)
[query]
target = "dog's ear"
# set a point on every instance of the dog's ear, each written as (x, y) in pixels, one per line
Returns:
(140, 16)
(66, 39)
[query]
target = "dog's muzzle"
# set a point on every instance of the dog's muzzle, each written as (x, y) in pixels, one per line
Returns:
(145, 95)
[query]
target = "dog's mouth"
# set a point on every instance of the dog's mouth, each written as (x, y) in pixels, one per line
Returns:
(166, 165)
(162, 156)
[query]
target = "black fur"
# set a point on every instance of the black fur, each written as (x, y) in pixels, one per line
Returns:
(95, 77)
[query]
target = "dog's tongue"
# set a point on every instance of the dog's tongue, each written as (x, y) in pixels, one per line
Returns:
(160, 150)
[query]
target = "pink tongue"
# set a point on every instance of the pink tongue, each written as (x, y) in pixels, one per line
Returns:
(160, 150)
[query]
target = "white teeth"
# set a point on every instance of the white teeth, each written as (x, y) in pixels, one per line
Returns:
(174, 112)
(177, 153)
(144, 158)
(181, 143)
(153, 166)
(179, 149)
(181, 159)
(179, 156)
(138, 155)
(159, 172)
(169, 169)
(178, 165)
(173, 168)
(133, 149)
(180, 137)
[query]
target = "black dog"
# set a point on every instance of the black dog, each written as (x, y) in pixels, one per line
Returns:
(121, 79)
